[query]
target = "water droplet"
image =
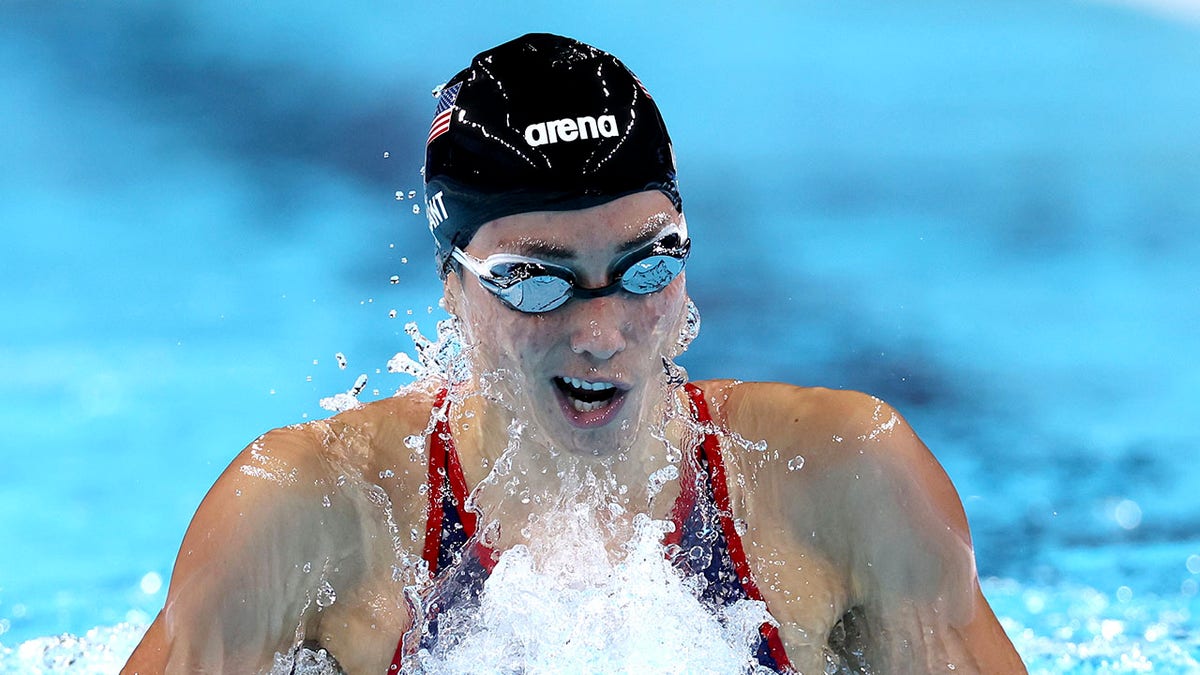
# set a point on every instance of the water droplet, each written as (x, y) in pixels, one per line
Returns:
(659, 478)
(740, 526)
(490, 534)
(151, 583)
(387, 473)
(394, 280)
(325, 595)
(307, 567)
(386, 154)
(690, 328)
(325, 501)
(412, 193)
(796, 463)
(341, 360)
(403, 261)
(416, 208)
(399, 195)
(415, 442)
(391, 313)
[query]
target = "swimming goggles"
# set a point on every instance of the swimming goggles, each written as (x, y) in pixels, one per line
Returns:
(532, 286)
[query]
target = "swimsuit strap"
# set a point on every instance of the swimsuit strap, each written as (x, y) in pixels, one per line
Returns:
(444, 482)
(708, 456)
(445, 470)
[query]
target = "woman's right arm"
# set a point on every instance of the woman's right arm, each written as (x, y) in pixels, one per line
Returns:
(253, 558)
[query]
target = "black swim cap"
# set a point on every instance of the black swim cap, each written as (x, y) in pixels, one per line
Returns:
(541, 123)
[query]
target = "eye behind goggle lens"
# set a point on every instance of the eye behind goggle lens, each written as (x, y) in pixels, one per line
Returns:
(536, 294)
(651, 274)
(510, 273)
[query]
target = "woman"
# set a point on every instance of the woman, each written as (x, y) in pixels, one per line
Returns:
(552, 197)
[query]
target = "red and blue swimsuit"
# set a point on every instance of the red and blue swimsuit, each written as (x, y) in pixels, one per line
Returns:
(704, 531)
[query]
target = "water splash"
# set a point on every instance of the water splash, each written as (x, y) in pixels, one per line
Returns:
(1058, 629)
(326, 596)
(101, 650)
(347, 400)
(305, 661)
(690, 328)
(659, 479)
(445, 360)
(565, 603)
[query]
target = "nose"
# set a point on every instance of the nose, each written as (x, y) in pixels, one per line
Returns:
(600, 327)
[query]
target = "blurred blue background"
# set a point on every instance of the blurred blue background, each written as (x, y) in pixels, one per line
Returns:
(985, 213)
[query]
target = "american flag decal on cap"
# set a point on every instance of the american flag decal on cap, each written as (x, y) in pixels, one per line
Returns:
(441, 116)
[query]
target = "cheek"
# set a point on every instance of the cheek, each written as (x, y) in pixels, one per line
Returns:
(502, 338)
(660, 317)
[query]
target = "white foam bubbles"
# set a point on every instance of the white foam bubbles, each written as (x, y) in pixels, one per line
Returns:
(565, 603)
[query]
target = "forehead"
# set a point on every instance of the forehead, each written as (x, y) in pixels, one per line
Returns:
(602, 229)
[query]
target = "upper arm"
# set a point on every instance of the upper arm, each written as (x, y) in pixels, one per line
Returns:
(262, 542)
(914, 570)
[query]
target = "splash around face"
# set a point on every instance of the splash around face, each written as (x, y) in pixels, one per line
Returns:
(587, 374)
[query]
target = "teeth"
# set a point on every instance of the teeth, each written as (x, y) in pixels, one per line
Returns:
(580, 406)
(590, 386)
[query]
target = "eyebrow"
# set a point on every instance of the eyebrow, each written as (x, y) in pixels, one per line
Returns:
(544, 249)
(648, 235)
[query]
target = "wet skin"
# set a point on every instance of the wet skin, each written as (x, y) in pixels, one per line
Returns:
(870, 525)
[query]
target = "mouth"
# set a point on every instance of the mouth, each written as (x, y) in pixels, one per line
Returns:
(587, 404)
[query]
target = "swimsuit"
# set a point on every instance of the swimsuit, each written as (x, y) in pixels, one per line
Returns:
(705, 536)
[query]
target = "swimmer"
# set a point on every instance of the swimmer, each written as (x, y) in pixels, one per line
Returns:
(560, 235)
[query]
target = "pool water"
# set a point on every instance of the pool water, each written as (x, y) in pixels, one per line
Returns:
(986, 216)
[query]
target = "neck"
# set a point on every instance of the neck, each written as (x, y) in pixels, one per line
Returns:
(522, 473)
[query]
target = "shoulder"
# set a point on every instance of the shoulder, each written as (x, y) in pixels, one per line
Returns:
(315, 485)
(373, 435)
(848, 464)
(831, 421)
(300, 506)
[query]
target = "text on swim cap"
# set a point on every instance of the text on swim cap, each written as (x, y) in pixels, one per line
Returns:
(567, 130)
(435, 210)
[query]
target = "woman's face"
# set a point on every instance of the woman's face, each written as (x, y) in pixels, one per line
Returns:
(588, 373)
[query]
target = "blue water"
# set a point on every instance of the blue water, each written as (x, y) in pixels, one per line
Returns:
(986, 215)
